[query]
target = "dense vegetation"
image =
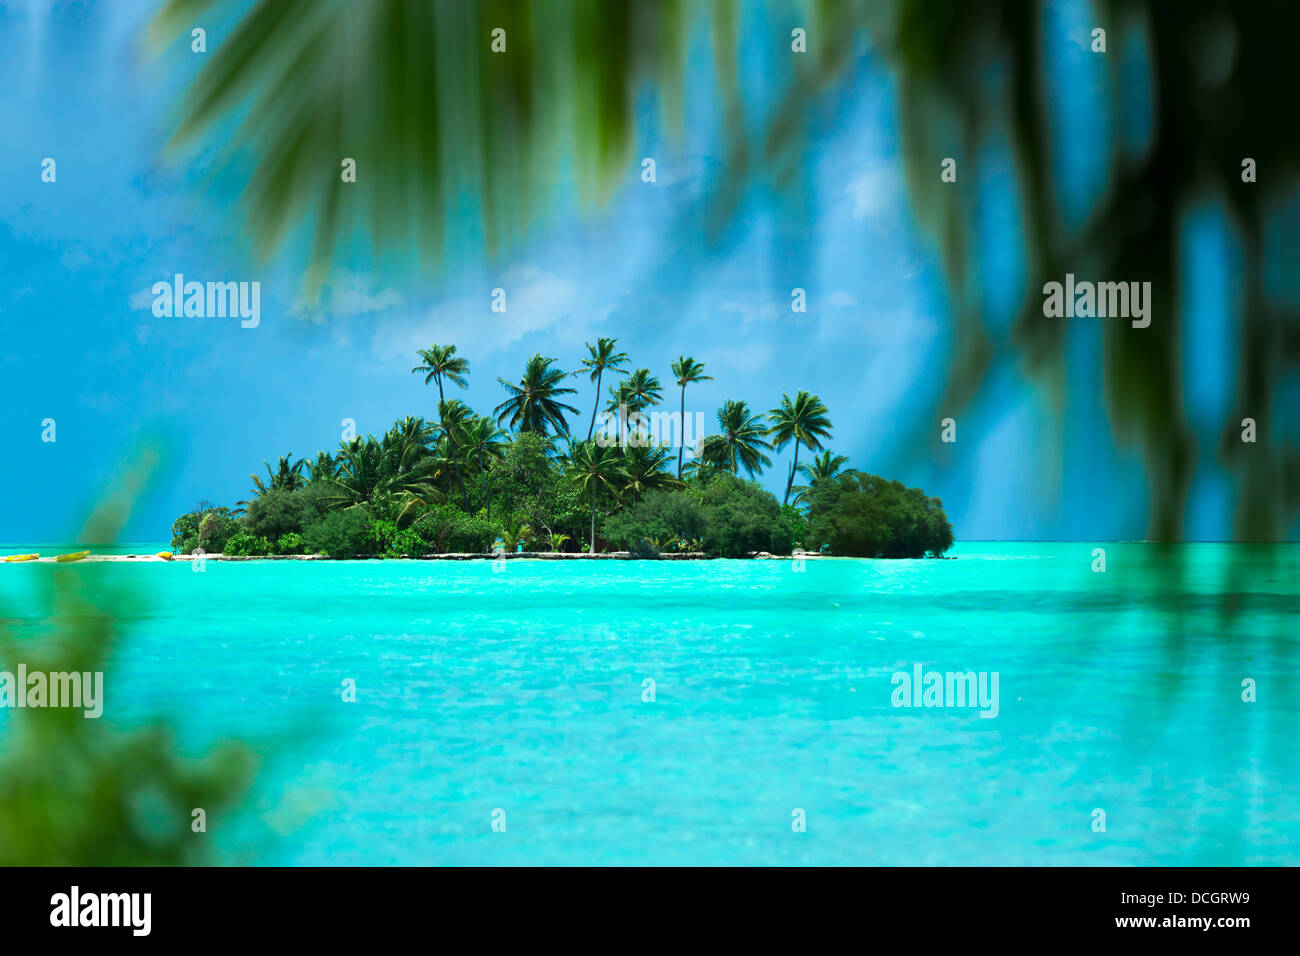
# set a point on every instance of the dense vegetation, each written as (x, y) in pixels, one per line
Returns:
(866, 515)
(463, 484)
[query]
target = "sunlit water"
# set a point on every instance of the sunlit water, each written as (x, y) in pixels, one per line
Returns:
(520, 686)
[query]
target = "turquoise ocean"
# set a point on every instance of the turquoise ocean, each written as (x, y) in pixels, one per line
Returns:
(521, 687)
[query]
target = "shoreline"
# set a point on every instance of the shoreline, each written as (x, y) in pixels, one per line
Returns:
(448, 556)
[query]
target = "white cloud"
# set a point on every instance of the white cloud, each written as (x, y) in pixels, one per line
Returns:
(873, 190)
(755, 309)
(536, 301)
(346, 295)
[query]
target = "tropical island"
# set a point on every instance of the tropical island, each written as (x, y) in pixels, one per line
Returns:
(521, 481)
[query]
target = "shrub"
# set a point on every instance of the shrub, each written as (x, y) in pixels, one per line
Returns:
(206, 528)
(660, 515)
(445, 528)
(391, 541)
(740, 517)
(528, 486)
(243, 543)
(796, 521)
(866, 516)
(340, 534)
(291, 543)
(644, 550)
(280, 512)
(733, 517)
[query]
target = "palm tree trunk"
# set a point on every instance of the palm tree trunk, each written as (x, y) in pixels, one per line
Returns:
(595, 408)
(487, 499)
(681, 434)
(789, 482)
(593, 518)
(451, 444)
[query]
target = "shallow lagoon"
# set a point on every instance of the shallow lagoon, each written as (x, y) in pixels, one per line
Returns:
(519, 685)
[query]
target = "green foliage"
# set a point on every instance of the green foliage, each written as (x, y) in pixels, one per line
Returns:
(344, 533)
(866, 516)
(390, 541)
(206, 528)
(825, 465)
(645, 467)
(600, 359)
(445, 528)
(516, 535)
(243, 543)
(645, 550)
(661, 515)
(594, 468)
(740, 518)
(528, 487)
(291, 543)
(396, 495)
(804, 421)
(796, 521)
(279, 512)
(287, 476)
(741, 442)
(534, 404)
(77, 791)
(733, 518)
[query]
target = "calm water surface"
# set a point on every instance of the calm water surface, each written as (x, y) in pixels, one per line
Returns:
(521, 688)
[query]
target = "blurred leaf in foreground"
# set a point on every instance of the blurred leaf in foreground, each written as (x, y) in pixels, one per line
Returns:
(75, 791)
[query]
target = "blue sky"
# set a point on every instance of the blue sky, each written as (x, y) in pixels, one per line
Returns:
(83, 347)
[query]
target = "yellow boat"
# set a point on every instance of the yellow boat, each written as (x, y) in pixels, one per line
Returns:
(22, 557)
(165, 555)
(72, 556)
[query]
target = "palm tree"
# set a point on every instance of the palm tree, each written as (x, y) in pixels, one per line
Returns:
(441, 362)
(635, 393)
(359, 473)
(533, 405)
(322, 468)
(643, 390)
(557, 540)
(514, 534)
(395, 473)
(741, 443)
(646, 468)
(686, 370)
(602, 357)
(617, 405)
(205, 525)
(700, 468)
(286, 477)
(824, 466)
(594, 466)
(406, 444)
(804, 421)
(480, 440)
